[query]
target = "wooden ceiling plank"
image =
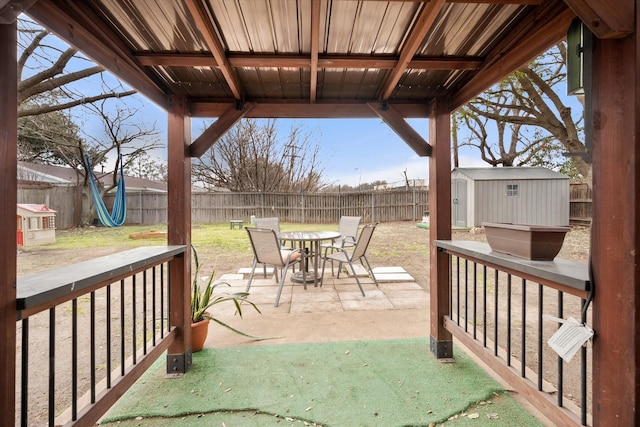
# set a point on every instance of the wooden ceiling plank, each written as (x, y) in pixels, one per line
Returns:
(204, 22)
(176, 59)
(417, 34)
(315, 34)
(534, 36)
(83, 34)
(400, 126)
(606, 19)
(213, 133)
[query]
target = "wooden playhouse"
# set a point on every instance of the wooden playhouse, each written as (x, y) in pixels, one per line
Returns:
(36, 225)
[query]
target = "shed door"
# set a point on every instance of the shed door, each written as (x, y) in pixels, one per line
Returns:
(459, 203)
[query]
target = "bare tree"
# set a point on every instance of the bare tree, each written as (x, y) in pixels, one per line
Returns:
(252, 157)
(144, 166)
(523, 120)
(49, 70)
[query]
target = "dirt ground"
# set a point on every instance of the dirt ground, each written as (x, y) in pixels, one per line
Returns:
(397, 244)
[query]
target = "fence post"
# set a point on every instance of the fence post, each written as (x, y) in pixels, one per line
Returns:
(414, 202)
(262, 203)
(339, 203)
(302, 207)
(373, 206)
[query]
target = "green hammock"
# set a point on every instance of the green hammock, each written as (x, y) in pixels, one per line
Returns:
(119, 213)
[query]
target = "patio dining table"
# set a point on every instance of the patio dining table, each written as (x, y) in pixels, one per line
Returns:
(309, 241)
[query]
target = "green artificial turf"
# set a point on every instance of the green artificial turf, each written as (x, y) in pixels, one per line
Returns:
(363, 383)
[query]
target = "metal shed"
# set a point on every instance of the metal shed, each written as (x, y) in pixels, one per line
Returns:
(518, 195)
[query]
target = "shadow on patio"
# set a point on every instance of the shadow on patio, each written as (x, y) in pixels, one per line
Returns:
(334, 359)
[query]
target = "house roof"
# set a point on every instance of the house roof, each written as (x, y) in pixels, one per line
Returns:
(510, 173)
(67, 176)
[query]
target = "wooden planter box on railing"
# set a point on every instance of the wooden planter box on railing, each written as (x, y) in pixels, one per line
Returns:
(499, 315)
(91, 329)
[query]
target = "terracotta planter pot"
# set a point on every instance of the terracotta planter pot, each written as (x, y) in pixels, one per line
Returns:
(199, 331)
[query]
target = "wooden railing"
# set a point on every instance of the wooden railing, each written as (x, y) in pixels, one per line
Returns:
(88, 331)
(497, 308)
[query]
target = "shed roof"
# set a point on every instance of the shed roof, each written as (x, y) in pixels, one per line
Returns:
(510, 173)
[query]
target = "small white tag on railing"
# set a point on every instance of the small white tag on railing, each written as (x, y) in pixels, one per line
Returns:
(569, 337)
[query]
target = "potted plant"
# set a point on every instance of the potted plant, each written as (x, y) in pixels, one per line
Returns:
(202, 301)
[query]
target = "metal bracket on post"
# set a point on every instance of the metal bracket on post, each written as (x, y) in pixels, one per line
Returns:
(441, 349)
(178, 364)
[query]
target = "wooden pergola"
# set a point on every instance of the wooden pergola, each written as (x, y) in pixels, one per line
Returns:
(390, 59)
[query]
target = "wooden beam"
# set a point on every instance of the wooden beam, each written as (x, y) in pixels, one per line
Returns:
(8, 195)
(75, 24)
(441, 341)
(204, 22)
(606, 19)
(530, 39)
(315, 34)
(417, 34)
(217, 129)
(179, 233)
(404, 130)
(301, 109)
(615, 231)
(298, 61)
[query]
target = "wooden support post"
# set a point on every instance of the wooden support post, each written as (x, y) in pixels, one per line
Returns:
(615, 231)
(439, 224)
(179, 233)
(8, 196)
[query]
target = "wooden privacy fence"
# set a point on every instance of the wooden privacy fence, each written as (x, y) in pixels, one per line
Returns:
(381, 206)
(316, 208)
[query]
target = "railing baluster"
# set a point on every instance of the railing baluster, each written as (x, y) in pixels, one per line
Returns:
(523, 338)
(451, 287)
(509, 319)
(122, 330)
(168, 298)
(560, 365)
(162, 302)
(583, 371)
(133, 319)
(484, 305)
(92, 354)
(108, 335)
(74, 359)
(466, 296)
(495, 314)
(153, 304)
(458, 289)
(52, 365)
(24, 387)
(540, 334)
(144, 312)
(475, 305)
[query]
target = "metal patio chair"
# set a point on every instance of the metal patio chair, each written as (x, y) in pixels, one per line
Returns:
(348, 229)
(267, 251)
(359, 254)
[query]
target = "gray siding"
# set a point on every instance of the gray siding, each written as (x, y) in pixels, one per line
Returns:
(543, 197)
